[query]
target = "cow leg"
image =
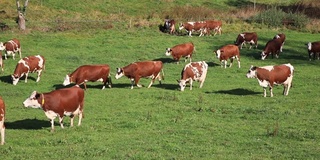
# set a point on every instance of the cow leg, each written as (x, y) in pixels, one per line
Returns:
(39, 74)
(20, 52)
(231, 61)
(5, 56)
(264, 92)
(80, 118)
(71, 120)
(190, 32)
(271, 93)
(52, 124)
(26, 79)
(2, 132)
(61, 121)
(238, 59)
(190, 83)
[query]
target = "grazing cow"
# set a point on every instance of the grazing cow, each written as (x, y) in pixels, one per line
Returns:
(194, 71)
(90, 73)
(213, 25)
(11, 47)
(270, 75)
(314, 50)
(193, 26)
(1, 61)
(28, 65)
(136, 70)
(247, 37)
(282, 38)
(169, 25)
(228, 52)
(272, 47)
(181, 50)
(2, 117)
(59, 103)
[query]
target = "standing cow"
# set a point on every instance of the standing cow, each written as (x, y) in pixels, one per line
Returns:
(228, 52)
(28, 65)
(2, 118)
(314, 50)
(272, 47)
(194, 26)
(181, 50)
(247, 37)
(137, 70)
(216, 26)
(11, 47)
(282, 38)
(194, 71)
(59, 103)
(268, 76)
(90, 73)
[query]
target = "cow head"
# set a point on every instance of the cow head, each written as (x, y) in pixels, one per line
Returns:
(67, 80)
(182, 83)
(119, 73)
(264, 55)
(240, 39)
(2, 47)
(32, 101)
(168, 51)
(15, 79)
(252, 72)
(218, 53)
(181, 26)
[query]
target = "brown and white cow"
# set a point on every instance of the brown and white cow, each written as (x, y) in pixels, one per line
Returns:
(11, 47)
(2, 118)
(59, 103)
(90, 73)
(181, 50)
(282, 38)
(268, 76)
(169, 25)
(228, 52)
(194, 26)
(272, 47)
(216, 26)
(194, 71)
(137, 70)
(28, 65)
(247, 37)
(314, 50)
(1, 61)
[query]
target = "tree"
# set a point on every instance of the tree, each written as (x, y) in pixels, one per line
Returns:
(21, 14)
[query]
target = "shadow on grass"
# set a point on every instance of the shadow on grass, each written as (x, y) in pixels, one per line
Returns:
(6, 79)
(166, 86)
(27, 124)
(164, 60)
(237, 91)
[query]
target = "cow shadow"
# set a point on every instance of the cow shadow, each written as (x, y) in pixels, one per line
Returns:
(237, 91)
(164, 60)
(29, 124)
(166, 86)
(213, 64)
(6, 79)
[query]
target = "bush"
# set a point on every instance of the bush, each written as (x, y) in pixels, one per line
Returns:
(277, 18)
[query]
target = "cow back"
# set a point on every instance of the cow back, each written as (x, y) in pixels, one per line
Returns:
(277, 74)
(183, 49)
(12, 45)
(90, 73)
(273, 45)
(143, 69)
(229, 51)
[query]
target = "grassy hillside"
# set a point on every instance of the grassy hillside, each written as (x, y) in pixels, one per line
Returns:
(226, 119)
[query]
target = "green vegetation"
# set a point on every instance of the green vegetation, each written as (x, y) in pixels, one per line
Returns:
(227, 119)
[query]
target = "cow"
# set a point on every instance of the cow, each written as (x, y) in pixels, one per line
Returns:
(272, 47)
(268, 76)
(137, 70)
(28, 65)
(216, 26)
(169, 25)
(194, 26)
(1, 61)
(11, 47)
(314, 50)
(228, 52)
(194, 71)
(282, 38)
(181, 50)
(90, 73)
(59, 103)
(247, 37)
(2, 118)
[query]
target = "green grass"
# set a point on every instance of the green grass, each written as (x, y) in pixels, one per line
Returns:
(226, 119)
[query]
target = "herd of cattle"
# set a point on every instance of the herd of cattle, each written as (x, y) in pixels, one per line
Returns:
(70, 101)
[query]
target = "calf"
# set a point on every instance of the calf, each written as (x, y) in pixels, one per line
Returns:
(90, 73)
(59, 103)
(272, 47)
(194, 71)
(2, 118)
(136, 70)
(247, 37)
(228, 52)
(28, 65)
(181, 50)
(169, 25)
(268, 76)
(193, 26)
(282, 38)
(216, 26)
(11, 47)
(314, 50)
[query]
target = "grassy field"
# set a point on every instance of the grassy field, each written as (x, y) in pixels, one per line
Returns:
(226, 119)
